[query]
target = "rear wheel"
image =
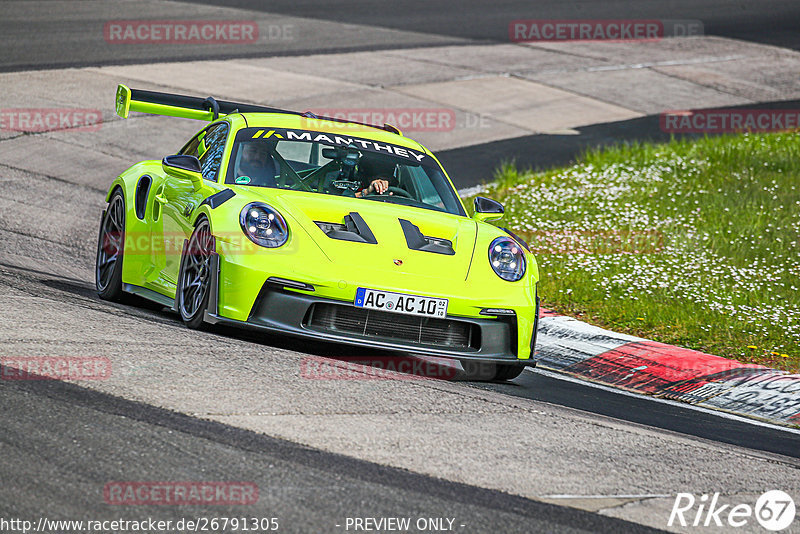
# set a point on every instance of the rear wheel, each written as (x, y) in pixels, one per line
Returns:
(110, 248)
(195, 280)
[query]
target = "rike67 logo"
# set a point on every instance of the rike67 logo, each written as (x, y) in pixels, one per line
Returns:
(774, 511)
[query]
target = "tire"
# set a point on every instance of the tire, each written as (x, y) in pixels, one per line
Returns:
(507, 372)
(195, 277)
(110, 250)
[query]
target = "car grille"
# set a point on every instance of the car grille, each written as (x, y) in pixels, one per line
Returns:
(393, 326)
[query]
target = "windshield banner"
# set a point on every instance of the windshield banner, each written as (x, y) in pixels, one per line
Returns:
(334, 140)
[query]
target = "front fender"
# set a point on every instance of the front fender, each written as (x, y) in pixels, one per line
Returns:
(128, 179)
(119, 181)
(203, 211)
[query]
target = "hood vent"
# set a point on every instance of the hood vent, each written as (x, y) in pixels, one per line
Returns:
(416, 241)
(354, 229)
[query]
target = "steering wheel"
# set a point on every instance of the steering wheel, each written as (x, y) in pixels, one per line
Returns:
(400, 192)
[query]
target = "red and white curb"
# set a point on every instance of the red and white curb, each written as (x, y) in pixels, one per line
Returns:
(567, 345)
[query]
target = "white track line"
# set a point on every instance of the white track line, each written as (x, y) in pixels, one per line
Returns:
(726, 415)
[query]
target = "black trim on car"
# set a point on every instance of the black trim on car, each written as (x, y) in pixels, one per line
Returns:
(417, 241)
(535, 333)
(356, 222)
(285, 311)
(488, 205)
(363, 323)
(518, 239)
(286, 283)
(149, 294)
(142, 191)
(198, 103)
(354, 229)
(218, 199)
(224, 107)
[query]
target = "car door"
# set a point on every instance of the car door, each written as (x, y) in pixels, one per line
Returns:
(181, 198)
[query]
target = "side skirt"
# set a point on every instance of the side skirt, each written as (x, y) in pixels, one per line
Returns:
(149, 294)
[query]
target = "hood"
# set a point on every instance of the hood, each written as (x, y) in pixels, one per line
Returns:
(375, 235)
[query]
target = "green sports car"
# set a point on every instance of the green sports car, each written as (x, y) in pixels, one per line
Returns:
(309, 226)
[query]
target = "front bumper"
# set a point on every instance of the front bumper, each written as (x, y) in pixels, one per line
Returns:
(242, 296)
(283, 311)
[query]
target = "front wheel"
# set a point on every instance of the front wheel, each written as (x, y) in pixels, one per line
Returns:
(110, 248)
(194, 284)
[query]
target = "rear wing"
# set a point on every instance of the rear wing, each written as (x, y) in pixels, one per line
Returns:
(204, 109)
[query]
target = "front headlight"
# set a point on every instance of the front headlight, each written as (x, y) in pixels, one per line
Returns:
(507, 259)
(263, 225)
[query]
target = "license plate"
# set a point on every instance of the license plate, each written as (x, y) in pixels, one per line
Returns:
(400, 303)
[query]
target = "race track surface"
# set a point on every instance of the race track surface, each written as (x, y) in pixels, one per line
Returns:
(55, 463)
(58, 33)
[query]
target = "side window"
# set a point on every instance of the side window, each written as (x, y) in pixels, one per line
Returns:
(208, 146)
(211, 147)
(191, 147)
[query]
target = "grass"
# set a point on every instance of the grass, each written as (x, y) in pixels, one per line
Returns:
(694, 242)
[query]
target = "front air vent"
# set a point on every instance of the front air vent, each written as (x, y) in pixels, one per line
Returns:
(387, 326)
(417, 241)
(354, 229)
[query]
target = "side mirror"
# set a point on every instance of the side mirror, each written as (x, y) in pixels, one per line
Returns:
(487, 209)
(184, 168)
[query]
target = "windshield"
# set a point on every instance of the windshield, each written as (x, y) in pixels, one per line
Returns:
(340, 165)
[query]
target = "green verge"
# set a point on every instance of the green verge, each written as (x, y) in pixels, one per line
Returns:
(694, 243)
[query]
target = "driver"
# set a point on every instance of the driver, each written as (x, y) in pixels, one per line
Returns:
(257, 164)
(376, 174)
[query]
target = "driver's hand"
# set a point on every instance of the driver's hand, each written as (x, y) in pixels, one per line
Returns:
(378, 186)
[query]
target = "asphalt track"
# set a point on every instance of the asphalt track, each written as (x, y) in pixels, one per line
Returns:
(771, 22)
(641, 410)
(53, 33)
(51, 465)
(62, 442)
